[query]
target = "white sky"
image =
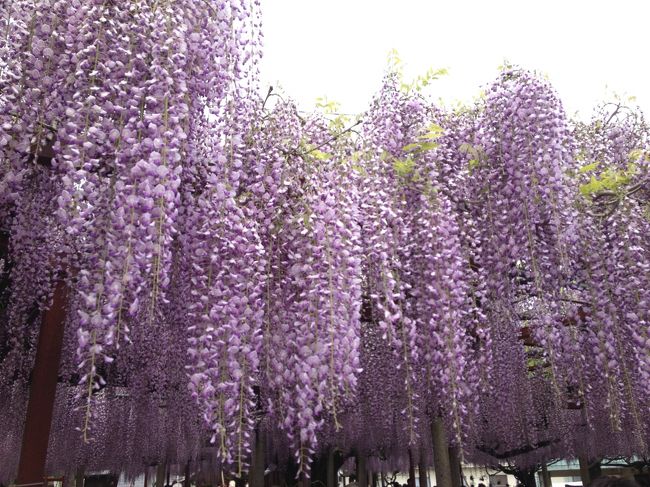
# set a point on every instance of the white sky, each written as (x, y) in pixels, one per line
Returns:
(338, 48)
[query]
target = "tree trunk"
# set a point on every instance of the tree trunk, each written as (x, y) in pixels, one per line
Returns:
(526, 477)
(256, 476)
(594, 470)
(411, 480)
(584, 470)
(160, 475)
(186, 480)
(454, 466)
(546, 477)
(79, 478)
(331, 471)
(440, 453)
(362, 473)
(422, 472)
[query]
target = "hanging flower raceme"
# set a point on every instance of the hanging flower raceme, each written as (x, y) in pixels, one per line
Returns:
(315, 293)
(387, 239)
(441, 308)
(233, 244)
(104, 90)
(521, 206)
(226, 281)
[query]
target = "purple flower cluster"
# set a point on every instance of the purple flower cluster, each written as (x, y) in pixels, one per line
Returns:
(238, 269)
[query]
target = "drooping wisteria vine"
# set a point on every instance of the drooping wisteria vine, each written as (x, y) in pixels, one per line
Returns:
(237, 268)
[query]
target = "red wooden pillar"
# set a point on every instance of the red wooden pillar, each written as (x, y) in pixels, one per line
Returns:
(36, 435)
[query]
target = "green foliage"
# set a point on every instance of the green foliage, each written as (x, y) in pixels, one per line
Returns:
(331, 108)
(327, 106)
(404, 167)
(434, 131)
(506, 65)
(395, 63)
(396, 66)
(311, 150)
(476, 153)
(320, 155)
(422, 81)
(588, 167)
(638, 155)
(608, 180)
(305, 217)
(425, 142)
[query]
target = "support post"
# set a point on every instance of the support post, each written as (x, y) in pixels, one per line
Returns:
(186, 480)
(79, 478)
(362, 472)
(331, 471)
(454, 466)
(42, 391)
(440, 453)
(422, 471)
(160, 475)
(546, 477)
(256, 478)
(411, 479)
(584, 470)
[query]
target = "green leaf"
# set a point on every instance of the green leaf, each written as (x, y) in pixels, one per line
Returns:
(428, 146)
(404, 168)
(360, 169)
(466, 148)
(410, 147)
(588, 168)
(593, 186)
(306, 217)
(433, 132)
(328, 106)
(320, 154)
(420, 146)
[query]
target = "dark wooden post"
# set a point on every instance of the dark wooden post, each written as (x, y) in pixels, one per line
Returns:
(160, 475)
(584, 470)
(42, 391)
(546, 477)
(441, 462)
(186, 480)
(362, 472)
(79, 478)
(455, 466)
(411, 479)
(331, 469)
(422, 471)
(256, 474)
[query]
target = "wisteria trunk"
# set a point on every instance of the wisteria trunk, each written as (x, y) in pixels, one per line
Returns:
(440, 453)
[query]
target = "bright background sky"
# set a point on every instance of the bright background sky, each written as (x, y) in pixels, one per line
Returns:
(338, 48)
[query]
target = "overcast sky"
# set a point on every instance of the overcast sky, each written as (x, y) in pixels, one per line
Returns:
(338, 48)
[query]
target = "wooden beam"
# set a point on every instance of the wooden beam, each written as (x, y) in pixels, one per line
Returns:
(42, 391)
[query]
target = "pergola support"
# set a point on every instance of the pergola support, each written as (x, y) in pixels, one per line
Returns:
(42, 392)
